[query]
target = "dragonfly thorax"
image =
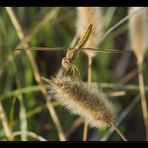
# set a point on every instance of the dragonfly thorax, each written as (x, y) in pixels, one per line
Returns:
(71, 54)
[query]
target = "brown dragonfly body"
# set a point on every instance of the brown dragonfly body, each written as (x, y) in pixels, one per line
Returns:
(73, 53)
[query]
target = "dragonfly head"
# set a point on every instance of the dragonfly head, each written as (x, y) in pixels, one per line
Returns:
(66, 63)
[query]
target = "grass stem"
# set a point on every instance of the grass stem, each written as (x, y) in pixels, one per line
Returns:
(85, 131)
(119, 132)
(143, 98)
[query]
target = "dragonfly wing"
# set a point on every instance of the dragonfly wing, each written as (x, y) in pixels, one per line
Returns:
(107, 50)
(44, 48)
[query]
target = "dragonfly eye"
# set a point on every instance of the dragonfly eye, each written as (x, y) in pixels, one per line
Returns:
(68, 60)
(65, 63)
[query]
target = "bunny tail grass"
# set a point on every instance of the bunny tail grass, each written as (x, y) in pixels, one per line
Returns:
(119, 132)
(138, 25)
(84, 100)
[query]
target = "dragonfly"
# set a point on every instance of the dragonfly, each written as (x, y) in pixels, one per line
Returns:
(73, 53)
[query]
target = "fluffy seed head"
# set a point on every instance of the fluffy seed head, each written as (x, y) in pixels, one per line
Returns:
(87, 16)
(138, 24)
(84, 100)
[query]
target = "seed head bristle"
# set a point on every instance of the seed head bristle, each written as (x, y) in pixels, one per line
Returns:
(84, 100)
(138, 25)
(86, 16)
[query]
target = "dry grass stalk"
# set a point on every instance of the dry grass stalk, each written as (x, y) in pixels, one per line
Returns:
(23, 118)
(29, 134)
(138, 24)
(7, 129)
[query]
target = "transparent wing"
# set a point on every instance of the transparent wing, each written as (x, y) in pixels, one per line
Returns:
(65, 48)
(43, 48)
(106, 50)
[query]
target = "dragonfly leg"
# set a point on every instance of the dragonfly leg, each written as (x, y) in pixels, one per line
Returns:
(75, 71)
(65, 71)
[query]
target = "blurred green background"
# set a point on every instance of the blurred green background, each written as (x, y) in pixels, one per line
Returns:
(108, 71)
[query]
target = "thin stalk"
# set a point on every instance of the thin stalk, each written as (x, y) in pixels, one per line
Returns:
(23, 118)
(89, 69)
(85, 131)
(143, 98)
(118, 24)
(29, 133)
(5, 124)
(119, 132)
(76, 123)
(22, 111)
(128, 76)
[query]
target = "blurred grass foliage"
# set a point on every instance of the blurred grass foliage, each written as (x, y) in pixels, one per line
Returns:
(59, 32)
